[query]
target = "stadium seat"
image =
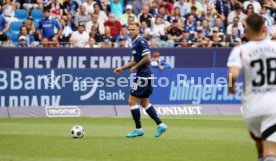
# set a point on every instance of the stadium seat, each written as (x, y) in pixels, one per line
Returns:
(12, 36)
(15, 27)
(37, 15)
(21, 14)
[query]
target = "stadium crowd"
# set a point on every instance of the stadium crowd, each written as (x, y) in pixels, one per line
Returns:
(104, 23)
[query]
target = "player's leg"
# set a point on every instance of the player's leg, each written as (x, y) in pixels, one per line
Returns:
(269, 152)
(268, 128)
(259, 145)
(135, 112)
(153, 114)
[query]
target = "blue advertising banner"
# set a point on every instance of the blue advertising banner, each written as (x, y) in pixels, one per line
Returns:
(194, 86)
(73, 58)
(49, 87)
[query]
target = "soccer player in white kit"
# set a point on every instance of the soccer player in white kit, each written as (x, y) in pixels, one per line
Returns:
(257, 61)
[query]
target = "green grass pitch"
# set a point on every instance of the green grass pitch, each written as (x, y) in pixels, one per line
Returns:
(194, 138)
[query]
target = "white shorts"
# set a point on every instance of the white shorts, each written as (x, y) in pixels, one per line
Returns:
(262, 127)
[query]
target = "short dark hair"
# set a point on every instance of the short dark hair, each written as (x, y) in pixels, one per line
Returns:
(255, 22)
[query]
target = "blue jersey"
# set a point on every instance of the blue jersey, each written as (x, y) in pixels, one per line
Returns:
(48, 27)
(139, 49)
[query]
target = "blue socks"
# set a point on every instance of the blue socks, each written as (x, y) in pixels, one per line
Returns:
(135, 112)
(153, 114)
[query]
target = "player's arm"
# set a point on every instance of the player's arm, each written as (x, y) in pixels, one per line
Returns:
(234, 66)
(127, 66)
(142, 62)
(233, 74)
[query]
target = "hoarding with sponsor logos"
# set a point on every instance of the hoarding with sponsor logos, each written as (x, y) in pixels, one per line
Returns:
(68, 58)
(80, 82)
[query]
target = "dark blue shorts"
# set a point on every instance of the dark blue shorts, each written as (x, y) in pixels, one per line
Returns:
(141, 88)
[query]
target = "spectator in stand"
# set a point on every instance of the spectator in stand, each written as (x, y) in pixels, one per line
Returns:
(79, 38)
(158, 28)
(168, 7)
(91, 43)
(233, 39)
(148, 35)
(116, 8)
(106, 44)
(193, 13)
(183, 6)
(199, 39)
(45, 43)
(30, 26)
(128, 13)
(122, 43)
(130, 20)
(71, 7)
(22, 42)
(89, 6)
(56, 9)
(70, 21)
(162, 13)
(95, 34)
(107, 35)
(4, 27)
(206, 3)
(47, 26)
(44, 4)
(255, 5)
(174, 33)
(223, 7)
(271, 6)
(124, 35)
(154, 44)
(206, 42)
(29, 5)
(145, 16)
(143, 27)
(220, 25)
(216, 38)
(206, 28)
(215, 43)
(186, 35)
(114, 25)
(9, 11)
(55, 42)
(156, 61)
(95, 22)
(190, 26)
(136, 6)
(249, 10)
(154, 8)
(81, 17)
(210, 15)
(101, 14)
(236, 24)
(28, 38)
(105, 6)
(268, 19)
(198, 6)
(66, 32)
(177, 16)
(237, 12)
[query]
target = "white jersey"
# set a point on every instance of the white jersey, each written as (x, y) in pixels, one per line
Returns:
(257, 60)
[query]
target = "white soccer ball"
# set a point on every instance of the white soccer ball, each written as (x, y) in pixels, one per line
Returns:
(77, 131)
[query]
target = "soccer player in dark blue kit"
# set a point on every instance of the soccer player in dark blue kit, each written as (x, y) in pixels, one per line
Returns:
(142, 85)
